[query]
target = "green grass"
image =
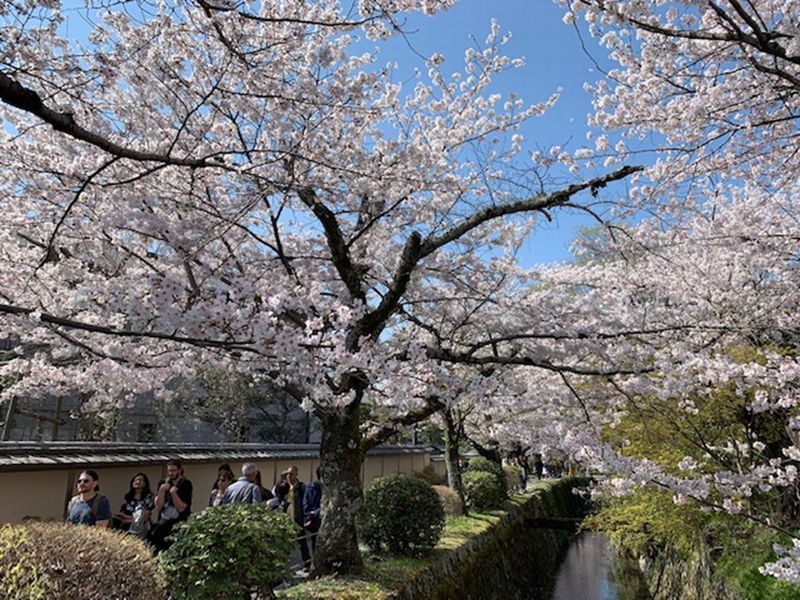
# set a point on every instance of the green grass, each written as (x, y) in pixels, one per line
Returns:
(393, 571)
(385, 574)
(329, 588)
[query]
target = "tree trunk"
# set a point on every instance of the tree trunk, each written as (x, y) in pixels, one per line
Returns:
(451, 442)
(341, 455)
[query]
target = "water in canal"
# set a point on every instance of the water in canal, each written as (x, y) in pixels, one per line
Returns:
(592, 570)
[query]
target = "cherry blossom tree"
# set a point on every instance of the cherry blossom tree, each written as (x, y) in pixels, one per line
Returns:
(209, 185)
(713, 85)
(714, 297)
(712, 88)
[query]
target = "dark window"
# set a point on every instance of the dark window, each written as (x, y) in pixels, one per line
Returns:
(146, 433)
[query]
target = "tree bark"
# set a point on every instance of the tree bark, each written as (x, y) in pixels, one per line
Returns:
(341, 456)
(451, 442)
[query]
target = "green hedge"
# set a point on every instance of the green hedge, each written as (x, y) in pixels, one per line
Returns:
(229, 551)
(480, 464)
(483, 490)
(402, 515)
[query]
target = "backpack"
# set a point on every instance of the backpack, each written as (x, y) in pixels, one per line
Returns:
(95, 502)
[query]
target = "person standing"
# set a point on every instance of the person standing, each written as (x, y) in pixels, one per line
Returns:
(88, 507)
(134, 515)
(312, 501)
(224, 480)
(266, 495)
(279, 500)
(173, 504)
(243, 490)
(297, 491)
(538, 465)
(223, 467)
(522, 462)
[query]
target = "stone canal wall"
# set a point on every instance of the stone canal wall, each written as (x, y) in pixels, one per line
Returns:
(672, 575)
(515, 559)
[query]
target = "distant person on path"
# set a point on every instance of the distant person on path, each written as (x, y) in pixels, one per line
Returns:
(88, 507)
(224, 480)
(243, 490)
(538, 465)
(553, 467)
(297, 492)
(173, 504)
(311, 507)
(522, 462)
(134, 515)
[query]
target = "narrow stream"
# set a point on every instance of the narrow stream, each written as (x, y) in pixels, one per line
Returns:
(592, 570)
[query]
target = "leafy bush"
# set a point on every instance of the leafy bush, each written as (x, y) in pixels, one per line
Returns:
(430, 475)
(483, 490)
(480, 464)
(511, 476)
(648, 521)
(450, 500)
(40, 561)
(229, 551)
(402, 514)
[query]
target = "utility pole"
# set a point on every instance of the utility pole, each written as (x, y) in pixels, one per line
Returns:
(6, 432)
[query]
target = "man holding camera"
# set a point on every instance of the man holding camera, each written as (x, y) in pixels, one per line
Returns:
(173, 504)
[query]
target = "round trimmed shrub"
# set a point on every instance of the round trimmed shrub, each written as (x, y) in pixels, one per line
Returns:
(484, 465)
(483, 490)
(402, 515)
(479, 463)
(230, 551)
(40, 561)
(450, 500)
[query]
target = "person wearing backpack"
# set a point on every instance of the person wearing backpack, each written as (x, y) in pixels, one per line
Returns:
(88, 507)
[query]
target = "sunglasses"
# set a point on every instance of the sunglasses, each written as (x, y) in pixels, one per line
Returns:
(84, 481)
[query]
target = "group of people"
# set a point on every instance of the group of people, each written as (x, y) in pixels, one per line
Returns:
(152, 515)
(554, 466)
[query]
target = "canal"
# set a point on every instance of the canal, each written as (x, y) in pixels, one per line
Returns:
(593, 570)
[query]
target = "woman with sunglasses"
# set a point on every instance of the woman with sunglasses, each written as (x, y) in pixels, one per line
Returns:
(88, 507)
(224, 479)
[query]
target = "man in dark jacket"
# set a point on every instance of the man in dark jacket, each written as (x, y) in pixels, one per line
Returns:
(311, 509)
(297, 492)
(173, 504)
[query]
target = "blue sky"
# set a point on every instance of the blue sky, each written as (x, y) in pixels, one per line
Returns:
(554, 60)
